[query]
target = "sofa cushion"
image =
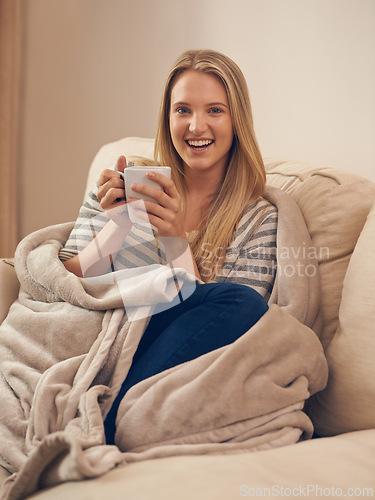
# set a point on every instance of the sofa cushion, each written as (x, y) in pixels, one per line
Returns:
(335, 205)
(348, 402)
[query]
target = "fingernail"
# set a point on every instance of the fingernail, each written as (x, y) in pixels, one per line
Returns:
(134, 186)
(150, 174)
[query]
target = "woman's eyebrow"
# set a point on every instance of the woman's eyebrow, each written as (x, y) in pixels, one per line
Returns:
(217, 104)
(182, 103)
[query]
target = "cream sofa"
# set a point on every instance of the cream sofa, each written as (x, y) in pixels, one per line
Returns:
(340, 213)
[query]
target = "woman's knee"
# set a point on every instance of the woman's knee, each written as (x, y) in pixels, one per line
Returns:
(243, 295)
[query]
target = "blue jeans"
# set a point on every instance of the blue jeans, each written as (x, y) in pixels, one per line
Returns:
(215, 315)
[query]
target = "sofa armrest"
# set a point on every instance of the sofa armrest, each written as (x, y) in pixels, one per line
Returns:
(9, 287)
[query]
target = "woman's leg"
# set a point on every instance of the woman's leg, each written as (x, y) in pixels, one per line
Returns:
(215, 315)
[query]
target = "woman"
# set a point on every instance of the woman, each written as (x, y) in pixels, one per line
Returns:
(210, 219)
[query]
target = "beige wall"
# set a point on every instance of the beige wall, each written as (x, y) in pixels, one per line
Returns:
(93, 71)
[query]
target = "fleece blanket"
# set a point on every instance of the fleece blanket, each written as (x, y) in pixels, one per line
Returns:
(67, 345)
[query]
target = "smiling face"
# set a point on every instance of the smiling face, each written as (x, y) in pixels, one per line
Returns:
(200, 122)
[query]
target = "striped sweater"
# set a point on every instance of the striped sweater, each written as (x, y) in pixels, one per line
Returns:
(250, 260)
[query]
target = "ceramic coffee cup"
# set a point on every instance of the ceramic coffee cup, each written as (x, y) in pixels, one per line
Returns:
(137, 175)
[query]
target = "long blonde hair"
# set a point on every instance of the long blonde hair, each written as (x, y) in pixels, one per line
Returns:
(245, 178)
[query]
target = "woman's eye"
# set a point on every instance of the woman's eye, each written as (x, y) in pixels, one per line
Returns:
(182, 111)
(216, 110)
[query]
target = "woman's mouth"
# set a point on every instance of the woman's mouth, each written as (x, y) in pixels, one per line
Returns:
(199, 145)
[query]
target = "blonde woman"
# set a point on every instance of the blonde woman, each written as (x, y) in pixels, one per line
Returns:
(210, 218)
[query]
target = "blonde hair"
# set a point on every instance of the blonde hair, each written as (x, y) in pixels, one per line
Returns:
(245, 177)
(140, 161)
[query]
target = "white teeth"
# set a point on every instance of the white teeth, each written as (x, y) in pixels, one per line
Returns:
(200, 143)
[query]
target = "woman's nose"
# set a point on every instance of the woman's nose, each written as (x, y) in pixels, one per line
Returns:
(197, 124)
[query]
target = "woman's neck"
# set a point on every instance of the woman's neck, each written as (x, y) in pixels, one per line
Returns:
(202, 185)
(200, 189)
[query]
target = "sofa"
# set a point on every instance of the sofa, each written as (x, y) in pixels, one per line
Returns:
(339, 211)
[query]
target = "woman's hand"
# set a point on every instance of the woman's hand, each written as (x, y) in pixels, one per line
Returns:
(166, 214)
(111, 189)
(111, 194)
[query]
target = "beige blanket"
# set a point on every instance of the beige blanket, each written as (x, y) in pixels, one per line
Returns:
(67, 344)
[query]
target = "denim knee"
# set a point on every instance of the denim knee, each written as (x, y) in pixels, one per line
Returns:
(243, 295)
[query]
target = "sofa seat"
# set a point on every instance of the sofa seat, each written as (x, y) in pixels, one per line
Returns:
(320, 468)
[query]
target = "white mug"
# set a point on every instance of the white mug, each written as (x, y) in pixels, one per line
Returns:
(138, 175)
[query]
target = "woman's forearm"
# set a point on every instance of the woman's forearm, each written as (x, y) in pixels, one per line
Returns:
(97, 257)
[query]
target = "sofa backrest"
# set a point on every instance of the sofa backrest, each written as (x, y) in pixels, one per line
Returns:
(348, 401)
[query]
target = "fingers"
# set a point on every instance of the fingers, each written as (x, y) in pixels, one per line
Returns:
(121, 164)
(109, 174)
(111, 190)
(165, 213)
(167, 197)
(113, 198)
(168, 221)
(109, 179)
(167, 184)
(149, 207)
(153, 214)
